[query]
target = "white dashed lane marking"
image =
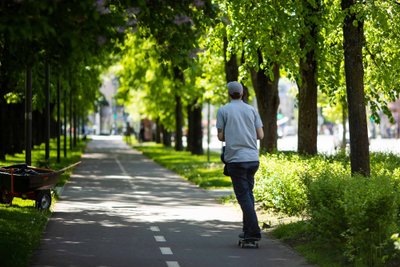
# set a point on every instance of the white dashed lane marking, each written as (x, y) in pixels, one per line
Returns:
(172, 264)
(166, 251)
(121, 167)
(154, 228)
(159, 238)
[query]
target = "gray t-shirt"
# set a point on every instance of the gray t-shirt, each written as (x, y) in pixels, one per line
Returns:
(239, 121)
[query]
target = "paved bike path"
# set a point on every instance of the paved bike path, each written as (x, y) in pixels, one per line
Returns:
(122, 209)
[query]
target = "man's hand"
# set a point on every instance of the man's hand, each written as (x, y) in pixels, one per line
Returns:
(260, 133)
(221, 135)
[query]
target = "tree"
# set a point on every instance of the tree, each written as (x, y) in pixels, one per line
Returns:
(266, 89)
(256, 29)
(145, 83)
(376, 67)
(381, 52)
(308, 81)
(62, 33)
(353, 34)
(176, 27)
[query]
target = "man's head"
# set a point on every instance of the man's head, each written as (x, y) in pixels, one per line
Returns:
(235, 90)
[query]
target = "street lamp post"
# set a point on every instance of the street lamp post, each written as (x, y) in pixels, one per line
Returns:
(208, 131)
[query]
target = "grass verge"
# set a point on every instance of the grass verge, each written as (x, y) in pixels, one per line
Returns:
(195, 168)
(21, 225)
(299, 236)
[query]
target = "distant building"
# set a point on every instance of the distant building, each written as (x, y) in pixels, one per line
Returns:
(287, 122)
(109, 118)
(388, 129)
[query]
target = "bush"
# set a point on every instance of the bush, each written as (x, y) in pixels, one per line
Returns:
(370, 207)
(325, 199)
(355, 211)
(281, 182)
(279, 185)
(356, 214)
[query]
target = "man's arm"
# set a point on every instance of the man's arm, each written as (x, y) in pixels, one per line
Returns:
(260, 133)
(221, 136)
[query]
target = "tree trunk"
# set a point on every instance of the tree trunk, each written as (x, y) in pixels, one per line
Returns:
(178, 124)
(246, 93)
(196, 132)
(231, 66)
(268, 102)
(3, 107)
(47, 111)
(353, 34)
(190, 132)
(74, 124)
(28, 116)
(158, 131)
(65, 123)
(78, 127)
(308, 87)
(232, 69)
(58, 119)
(70, 120)
(166, 136)
(5, 85)
(179, 80)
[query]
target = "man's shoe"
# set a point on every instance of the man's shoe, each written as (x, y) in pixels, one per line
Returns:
(255, 236)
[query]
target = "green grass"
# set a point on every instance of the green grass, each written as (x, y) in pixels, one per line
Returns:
(21, 225)
(195, 168)
(300, 236)
(21, 228)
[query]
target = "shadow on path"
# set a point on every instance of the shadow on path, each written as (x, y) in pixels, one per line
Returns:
(121, 209)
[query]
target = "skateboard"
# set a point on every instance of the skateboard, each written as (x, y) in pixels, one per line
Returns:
(248, 242)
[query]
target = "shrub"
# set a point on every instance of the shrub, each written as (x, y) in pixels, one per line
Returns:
(282, 180)
(325, 199)
(370, 210)
(279, 185)
(355, 211)
(355, 214)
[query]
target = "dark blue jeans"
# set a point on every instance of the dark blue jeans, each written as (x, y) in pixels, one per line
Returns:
(242, 176)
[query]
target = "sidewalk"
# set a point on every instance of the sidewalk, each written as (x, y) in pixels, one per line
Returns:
(122, 209)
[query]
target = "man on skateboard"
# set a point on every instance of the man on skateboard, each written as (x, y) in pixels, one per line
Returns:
(239, 125)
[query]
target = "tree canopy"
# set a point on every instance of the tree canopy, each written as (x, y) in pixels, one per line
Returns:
(172, 55)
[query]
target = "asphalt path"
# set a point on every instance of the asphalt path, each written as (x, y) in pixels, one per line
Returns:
(122, 209)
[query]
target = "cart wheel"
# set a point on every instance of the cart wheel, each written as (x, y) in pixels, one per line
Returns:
(43, 199)
(5, 197)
